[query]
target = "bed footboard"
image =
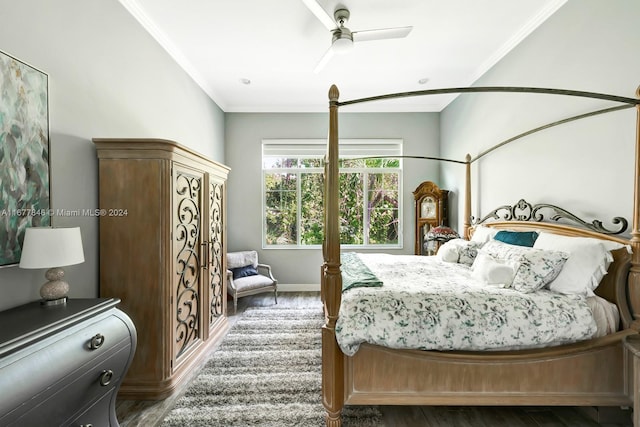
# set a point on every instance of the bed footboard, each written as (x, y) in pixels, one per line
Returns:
(377, 375)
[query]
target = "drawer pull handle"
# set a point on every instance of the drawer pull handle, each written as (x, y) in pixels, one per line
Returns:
(105, 377)
(86, 425)
(96, 342)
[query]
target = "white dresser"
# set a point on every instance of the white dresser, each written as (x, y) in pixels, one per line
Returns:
(62, 365)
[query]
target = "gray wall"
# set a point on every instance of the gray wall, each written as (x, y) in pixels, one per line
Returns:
(244, 134)
(107, 78)
(585, 166)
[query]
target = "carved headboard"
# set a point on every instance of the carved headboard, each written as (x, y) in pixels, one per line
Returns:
(523, 216)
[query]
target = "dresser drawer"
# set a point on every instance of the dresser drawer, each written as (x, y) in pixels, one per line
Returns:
(65, 369)
(83, 387)
(95, 415)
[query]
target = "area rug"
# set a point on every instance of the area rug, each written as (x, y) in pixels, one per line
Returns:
(267, 373)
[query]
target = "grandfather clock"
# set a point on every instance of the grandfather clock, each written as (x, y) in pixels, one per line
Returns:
(431, 210)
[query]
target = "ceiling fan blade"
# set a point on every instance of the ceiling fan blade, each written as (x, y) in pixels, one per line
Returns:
(321, 14)
(324, 60)
(384, 33)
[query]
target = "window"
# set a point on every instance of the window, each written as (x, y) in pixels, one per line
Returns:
(293, 193)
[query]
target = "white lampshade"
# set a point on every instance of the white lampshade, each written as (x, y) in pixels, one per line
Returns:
(46, 247)
(52, 248)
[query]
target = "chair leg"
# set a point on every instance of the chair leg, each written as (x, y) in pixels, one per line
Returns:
(235, 304)
(275, 293)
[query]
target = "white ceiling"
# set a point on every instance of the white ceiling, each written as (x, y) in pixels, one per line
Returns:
(276, 44)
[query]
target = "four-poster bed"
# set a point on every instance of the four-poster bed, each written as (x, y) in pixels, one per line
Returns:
(592, 372)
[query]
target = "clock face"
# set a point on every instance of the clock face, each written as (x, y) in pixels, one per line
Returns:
(428, 208)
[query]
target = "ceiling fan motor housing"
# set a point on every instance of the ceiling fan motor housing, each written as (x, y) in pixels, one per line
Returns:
(341, 16)
(342, 41)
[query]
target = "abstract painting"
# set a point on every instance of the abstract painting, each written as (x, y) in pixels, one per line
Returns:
(24, 154)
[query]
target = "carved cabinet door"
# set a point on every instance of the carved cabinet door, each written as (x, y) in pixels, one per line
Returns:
(215, 251)
(188, 188)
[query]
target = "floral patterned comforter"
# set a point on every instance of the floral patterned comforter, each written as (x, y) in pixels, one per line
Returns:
(428, 304)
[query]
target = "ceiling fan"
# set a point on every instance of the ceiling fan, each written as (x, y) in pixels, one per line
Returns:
(343, 38)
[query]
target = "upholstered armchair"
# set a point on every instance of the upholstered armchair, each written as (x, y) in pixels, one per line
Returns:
(246, 276)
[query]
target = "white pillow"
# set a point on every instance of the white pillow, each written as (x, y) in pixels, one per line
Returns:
(242, 259)
(491, 271)
(610, 245)
(587, 264)
(448, 252)
(483, 234)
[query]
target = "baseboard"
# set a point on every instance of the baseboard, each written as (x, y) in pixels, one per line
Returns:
(298, 287)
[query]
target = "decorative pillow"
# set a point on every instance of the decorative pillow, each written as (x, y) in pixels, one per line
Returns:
(247, 270)
(483, 234)
(468, 252)
(491, 271)
(587, 264)
(520, 238)
(537, 268)
(242, 258)
(459, 250)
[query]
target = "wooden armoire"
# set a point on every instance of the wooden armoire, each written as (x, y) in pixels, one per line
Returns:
(163, 253)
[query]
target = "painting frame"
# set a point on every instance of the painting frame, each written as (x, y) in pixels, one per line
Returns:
(25, 192)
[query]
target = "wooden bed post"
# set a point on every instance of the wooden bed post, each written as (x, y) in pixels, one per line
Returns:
(634, 275)
(467, 198)
(331, 280)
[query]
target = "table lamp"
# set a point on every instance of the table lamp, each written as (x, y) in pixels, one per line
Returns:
(438, 235)
(52, 248)
(442, 233)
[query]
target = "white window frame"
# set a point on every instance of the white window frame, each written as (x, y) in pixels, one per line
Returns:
(316, 148)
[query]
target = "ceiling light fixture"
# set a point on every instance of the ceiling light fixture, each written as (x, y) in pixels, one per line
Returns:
(342, 41)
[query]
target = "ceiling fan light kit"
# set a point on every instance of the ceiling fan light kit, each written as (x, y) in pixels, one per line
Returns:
(342, 42)
(342, 37)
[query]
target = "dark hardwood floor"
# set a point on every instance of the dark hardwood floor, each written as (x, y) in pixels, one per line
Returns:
(151, 413)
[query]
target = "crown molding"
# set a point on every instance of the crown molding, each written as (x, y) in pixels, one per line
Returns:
(134, 8)
(529, 27)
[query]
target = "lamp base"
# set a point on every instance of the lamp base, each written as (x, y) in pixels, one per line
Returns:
(53, 302)
(55, 291)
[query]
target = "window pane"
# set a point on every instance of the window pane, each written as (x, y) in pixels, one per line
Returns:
(351, 163)
(311, 163)
(383, 208)
(351, 208)
(281, 208)
(311, 208)
(278, 163)
(382, 163)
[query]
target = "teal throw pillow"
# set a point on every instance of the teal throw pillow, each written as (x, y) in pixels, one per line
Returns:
(519, 238)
